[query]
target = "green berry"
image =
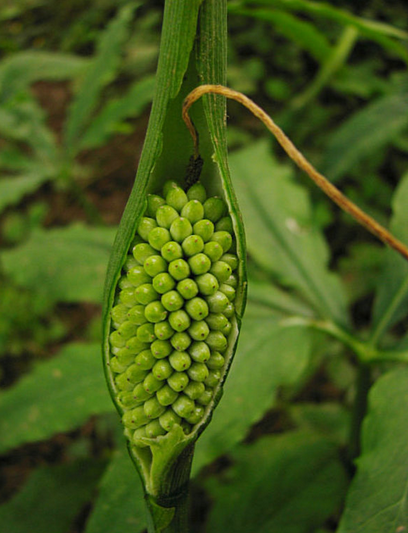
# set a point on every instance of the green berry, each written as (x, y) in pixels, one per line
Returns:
(145, 360)
(140, 394)
(217, 341)
(135, 418)
(180, 361)
(206, 397)
(196, 416)
(199, 330)
(183, 406)
(204, 228)
(187, 288)
(163, 330)
(130, 262)
(229, 311)
(213, 250)
(224, 224)
(127, 400)
(153, 408)
(128, 297)
(180, 341)
(180, 229)
(232, 281)
(231, 259)
(226, 330)
(158, 237)
(198, 372)
(200, 352)
(153, 203)
(179, 269)
(119, 313)
(217, 302)
(168, 186)
(155, 264)
(134, 345)
(207, 284)
(161, 349)
(172, 251)
(176, 198)
(125, 356)
(123, 383)
(168, 419)
(145, 333)
(136, 315)
(228, 291)
(117, 366)
(223, 238)
(116, 340)
(178, 381)
(199, 264)
(221, 270)
(155, 312)
(146, 225)
(124, 283)
(214, 208)
(197, 192)
(216, 320)
(162, 369)
(216, 361)
(163, 283)
(213, 378)
(166, 395)
(137, 437)
(192, 245)
(134, 374)
(179, 320)
(193, 210)
(194, 389)
(137, 276)
(197, 308)
(172, 301)
(154, 429)
(145, 294)
(151, 384)
(142, 251)
(127, 329)
(166, 215)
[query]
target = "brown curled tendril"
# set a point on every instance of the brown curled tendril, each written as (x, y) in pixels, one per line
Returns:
(328, 188)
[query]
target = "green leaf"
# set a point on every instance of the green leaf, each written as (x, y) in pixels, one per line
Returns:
(289, 483)
(268, 357)
(120, 504)
(305, 34)
(391, 303)
(384, 34)
(378, 497)
(100, 72)
(18, 71)
(64, 264)
(281, 236)
(367, 131)
(52, 498)
(111, 119)
(14, 188)
(58, 395)
(329, 420)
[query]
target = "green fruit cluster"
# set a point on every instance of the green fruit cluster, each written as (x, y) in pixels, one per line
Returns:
(172, 314)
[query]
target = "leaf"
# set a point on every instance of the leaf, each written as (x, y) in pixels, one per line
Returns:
(289, 483)
(100, 72)
(18, 71)
(391, 303)
(380, 32)
(305, 34)
(58, 395)
(120, 504)
(378, 496)
(64, 264)
(280, 232)
(268, 357)
(52, 498)
(110, 120)
(14, 188)
(367, 131)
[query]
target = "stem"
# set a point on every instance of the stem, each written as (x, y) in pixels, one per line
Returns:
(359, 410)
(329, 189)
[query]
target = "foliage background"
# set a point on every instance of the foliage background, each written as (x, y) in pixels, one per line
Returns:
(76, 82)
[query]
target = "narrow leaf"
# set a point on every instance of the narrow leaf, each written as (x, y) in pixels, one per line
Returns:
(391, 303)
(120, 504)
(58, 395)
(365, 132)
(378, 497)
(281, 236)
(290, 483)
(64, 264)
(52, 498)
(100, 72)
(14, 188)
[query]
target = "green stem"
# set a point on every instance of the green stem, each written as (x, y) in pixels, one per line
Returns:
(359, 410)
